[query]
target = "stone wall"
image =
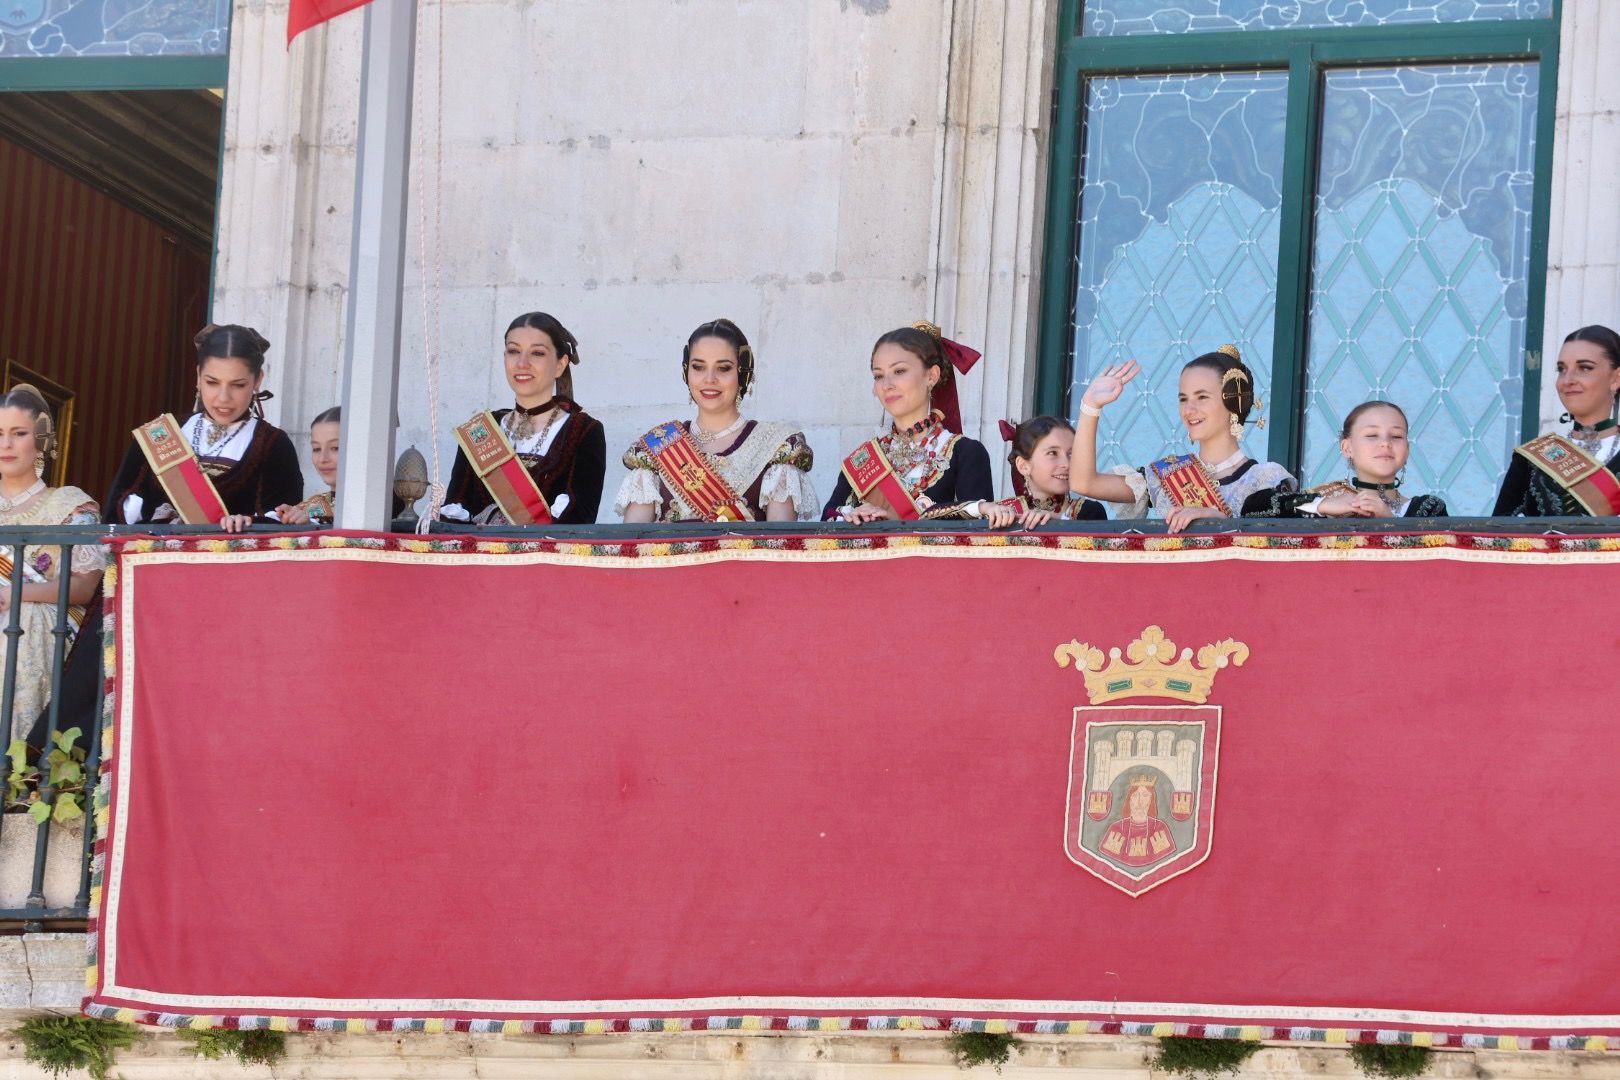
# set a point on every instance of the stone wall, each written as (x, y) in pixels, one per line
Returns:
(818, 170)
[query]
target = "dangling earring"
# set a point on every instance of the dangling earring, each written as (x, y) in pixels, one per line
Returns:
(1564, 418)
(1235, 426)
(1349, 470)
(39, 467)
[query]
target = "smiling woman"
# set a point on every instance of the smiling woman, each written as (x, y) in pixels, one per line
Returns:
(560, 446)
(721, 466)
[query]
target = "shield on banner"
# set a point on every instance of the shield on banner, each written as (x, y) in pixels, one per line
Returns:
(1141, 804)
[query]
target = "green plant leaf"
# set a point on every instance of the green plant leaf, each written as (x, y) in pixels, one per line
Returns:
(61, 1044)
(1201, 1057)
(64, 773)
(67, 809)
(1390, 1060)
(66, 739)
(970, 1048)
(40, 811)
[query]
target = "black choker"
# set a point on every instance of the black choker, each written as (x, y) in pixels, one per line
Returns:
(919, 427)
(1358, 482)
(1601, 425)
(537, 410)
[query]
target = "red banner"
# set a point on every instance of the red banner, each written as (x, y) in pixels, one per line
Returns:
(1284, 787)
(303, 14)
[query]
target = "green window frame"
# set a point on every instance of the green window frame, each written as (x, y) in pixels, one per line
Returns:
(1306, 55)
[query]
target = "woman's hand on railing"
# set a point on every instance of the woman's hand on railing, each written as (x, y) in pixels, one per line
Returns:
(234, 523)
(1180, 517)
(865, 512)
(292, 515)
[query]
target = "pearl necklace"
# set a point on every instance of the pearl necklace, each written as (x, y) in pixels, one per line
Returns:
(707, 439)
(1229, 463)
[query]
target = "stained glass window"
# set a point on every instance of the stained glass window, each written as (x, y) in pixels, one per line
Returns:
(1115, 17)
(1421, 267)
(114, 27)
(1179, 233)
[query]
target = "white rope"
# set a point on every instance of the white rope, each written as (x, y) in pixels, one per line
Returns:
(432, 324)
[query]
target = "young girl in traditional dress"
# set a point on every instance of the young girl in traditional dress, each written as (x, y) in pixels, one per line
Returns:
(325, 439)
(721, 466)
(1375, 447)
(1042, 448)
(1218, 480)
(27, 443)
(922, 465)
(251, 463)
(1576, 474)
(561, 447)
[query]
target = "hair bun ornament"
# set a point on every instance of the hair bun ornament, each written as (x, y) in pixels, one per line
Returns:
(202, 335)
(1231, 350)
(930, 329)
(260, 340)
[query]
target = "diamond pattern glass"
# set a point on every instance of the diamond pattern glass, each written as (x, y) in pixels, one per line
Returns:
(1178, 241)
(1103, 18)
(1421, 268)
(114, 27)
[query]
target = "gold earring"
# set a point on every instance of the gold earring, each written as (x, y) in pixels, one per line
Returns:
(1236, 427)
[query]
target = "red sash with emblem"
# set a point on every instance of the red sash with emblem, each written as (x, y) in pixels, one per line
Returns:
(1186, 481)
(1577, 472)
(492, 458)
(685, 470)
(179, 472)
(872, 477)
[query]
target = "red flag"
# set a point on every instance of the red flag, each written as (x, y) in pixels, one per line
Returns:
(303, 14)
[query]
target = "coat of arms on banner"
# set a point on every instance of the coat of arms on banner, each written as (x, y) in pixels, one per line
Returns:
(1141, 806)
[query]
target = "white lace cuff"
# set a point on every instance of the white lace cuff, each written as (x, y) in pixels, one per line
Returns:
(1139, 490)
(132, 509)
(640, 486)
(789, 482)
(88, 557)
(454, 512)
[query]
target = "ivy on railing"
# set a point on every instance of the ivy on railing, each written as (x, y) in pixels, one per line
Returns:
(61, 799)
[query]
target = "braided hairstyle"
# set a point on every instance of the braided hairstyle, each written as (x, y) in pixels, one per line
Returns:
(234, 342)
(728, 332)
(562, 341)
(1237, 381)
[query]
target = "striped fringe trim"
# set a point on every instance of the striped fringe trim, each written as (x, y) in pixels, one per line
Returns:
(465, 544)
(1249, 1033)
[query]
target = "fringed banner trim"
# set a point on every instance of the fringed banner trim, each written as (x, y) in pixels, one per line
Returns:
(834, 1024)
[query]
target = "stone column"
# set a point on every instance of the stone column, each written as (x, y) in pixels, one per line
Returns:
(1583, 256)
(998, 112)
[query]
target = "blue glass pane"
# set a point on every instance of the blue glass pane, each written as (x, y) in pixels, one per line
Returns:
(114, 27)
(1178, 240)
(1102, 18)
(1421, 267)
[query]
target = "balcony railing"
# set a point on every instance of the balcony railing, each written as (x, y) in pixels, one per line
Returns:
(76, 678)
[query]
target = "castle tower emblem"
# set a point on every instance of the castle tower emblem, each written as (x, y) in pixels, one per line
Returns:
(1141, 805)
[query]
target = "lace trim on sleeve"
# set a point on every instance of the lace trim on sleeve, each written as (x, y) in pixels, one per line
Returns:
(795, 452)
(90, 556)
(640, 486)
(1139, 490)
(788, 482)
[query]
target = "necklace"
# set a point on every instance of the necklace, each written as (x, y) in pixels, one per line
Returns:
(1390, 492)
(523, 426)
(1590, 438)
(707, 439)
(1229, 463)
(913, 446)
(219, 435)
(521, 422)
(8, 503)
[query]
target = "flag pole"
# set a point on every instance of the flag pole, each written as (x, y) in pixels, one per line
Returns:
(377, 267)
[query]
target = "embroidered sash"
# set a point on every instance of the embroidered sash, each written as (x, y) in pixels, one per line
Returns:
(686, 471)
(179, 472)
(1332, 488)
(872, 478)
(493, 460)
(1186, 482)
(34, 577)
(1575, 471)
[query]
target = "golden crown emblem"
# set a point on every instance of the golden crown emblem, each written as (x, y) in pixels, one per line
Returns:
(1150, 667)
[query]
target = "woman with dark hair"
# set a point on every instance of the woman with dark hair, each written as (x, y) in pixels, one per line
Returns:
(1376, 448)
(1042, 448)
(921, 466)
(27, 443)
(720, 466)
(541, 460)
(1573, 475)
(232, 458)
(1217, 480)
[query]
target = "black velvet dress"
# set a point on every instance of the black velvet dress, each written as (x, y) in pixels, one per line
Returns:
(265, 476)
(572, 465)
